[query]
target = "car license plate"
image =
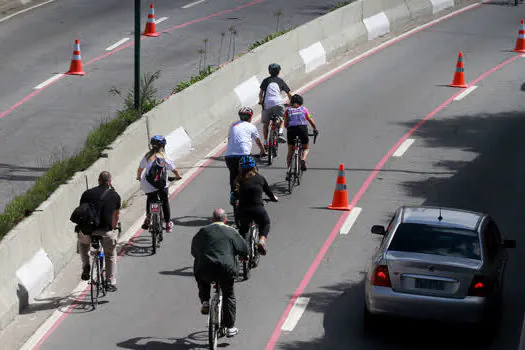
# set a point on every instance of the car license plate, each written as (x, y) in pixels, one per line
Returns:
(154, 208)
(429, 284)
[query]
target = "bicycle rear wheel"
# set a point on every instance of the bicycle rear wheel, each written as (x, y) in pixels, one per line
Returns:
(247, 263)
(154, 232)
(95, 282)
(271, 148)
(255, 256)
(214, 323)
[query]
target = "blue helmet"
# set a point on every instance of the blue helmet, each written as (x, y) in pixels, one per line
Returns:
(158, 140)
(247, 162)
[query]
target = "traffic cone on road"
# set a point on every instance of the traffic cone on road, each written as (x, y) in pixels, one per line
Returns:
(151, 26)
(520, 42)
(459, 75)
(340, 200)
(76, 61)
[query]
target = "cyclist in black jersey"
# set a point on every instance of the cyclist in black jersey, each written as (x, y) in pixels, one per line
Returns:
(250, 186)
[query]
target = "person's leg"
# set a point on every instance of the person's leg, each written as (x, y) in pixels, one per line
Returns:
(244, 222)
(262, 219)
(204, 294)
(164, 198)
(109, 244)
(279, 110)
(305, 140)
(84, 242)
(265, 118)
(229, 306)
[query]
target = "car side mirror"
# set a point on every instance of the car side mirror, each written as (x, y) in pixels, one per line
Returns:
(378, 230)
(509, 243)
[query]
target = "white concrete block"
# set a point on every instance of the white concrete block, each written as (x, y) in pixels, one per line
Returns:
(248, 91)
(36, 274)
(178, 143)
(314, 56)
(440, 5)
(377, 25)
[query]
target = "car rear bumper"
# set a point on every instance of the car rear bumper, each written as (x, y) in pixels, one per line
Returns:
(385, 301)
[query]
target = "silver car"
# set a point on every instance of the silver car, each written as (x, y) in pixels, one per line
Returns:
(437, 263)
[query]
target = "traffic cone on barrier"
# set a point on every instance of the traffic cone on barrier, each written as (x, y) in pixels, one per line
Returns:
(151, 26)
(520, 42)
(340, 200)
(76, 61)
(459, 75)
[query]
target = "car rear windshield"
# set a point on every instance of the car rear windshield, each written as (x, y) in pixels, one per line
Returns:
(428, 239)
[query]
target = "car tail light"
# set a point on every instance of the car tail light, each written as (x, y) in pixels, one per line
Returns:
(480, 287)
(381, 277)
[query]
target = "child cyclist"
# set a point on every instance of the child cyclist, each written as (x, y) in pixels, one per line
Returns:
(296, 118)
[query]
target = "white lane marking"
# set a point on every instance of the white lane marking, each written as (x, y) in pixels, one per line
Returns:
(350, 220)
(25, 10)
(117, 44)
(403, 148)
(160, 20)
(465, 93)
(193, 4)
(295, 314)
(49, 81)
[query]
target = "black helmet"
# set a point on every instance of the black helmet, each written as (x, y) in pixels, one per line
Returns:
(297, 99)
(245, 113)
(274, 69)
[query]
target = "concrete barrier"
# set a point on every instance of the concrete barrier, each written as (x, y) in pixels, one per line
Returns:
(41, 245)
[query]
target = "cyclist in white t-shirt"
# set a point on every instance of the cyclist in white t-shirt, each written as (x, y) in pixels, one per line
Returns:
(272, 101)
(158, 142)
(241, 135)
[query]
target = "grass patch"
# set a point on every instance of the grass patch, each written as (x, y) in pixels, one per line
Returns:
(267, 39)
(339, 5)
(195, 78)
(63, 170)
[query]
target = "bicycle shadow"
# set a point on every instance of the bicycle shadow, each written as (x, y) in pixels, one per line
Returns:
(194, 341)
(183, 271)
(74, 303)
(139, 247)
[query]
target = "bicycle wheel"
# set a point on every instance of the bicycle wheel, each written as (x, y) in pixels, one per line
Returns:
(103, 281)
(95, 282)
(154, 228)
(214, 324)
(299, 171)
(270, 148)
(246, 265)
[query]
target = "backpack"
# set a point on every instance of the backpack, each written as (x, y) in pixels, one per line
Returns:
(157, 174)
(87, 216)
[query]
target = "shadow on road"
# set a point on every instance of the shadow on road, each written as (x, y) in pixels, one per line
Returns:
(194, 341)
(493, 182)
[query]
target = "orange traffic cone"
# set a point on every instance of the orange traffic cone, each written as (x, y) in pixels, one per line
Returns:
(459, 76)
(76, 61)
(520, 42)
(151, 27)
(340, 200)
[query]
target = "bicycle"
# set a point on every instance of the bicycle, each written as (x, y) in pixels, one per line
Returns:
(295, 172)
(215, 328)
(98, 282)
(273, 144)
(156, 220)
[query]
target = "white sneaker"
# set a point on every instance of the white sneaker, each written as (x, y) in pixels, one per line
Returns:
(231, 332)
(205, 308)
(169, 227)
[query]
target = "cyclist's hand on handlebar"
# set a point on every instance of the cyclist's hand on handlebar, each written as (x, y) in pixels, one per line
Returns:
(316, 132)
(173, 178)
(275, 198)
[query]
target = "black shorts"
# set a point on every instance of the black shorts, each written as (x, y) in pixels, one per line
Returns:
(299, 130)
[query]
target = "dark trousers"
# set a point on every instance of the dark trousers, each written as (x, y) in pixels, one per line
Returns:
(229, 304)
(257, 214)
(232, 162)
(161, 195)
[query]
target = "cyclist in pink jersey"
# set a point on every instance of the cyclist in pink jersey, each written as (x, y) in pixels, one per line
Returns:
(296, 119)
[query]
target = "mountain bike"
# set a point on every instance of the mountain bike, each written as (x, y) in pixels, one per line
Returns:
(215, 328)
(295, 172)
(156, 219)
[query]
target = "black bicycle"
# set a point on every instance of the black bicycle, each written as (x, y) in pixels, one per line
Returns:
(156, 220)
(216, 329)
(273, 137)
(97, 283)
(295, 172)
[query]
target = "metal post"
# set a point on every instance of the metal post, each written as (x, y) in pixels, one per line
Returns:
(137, 55)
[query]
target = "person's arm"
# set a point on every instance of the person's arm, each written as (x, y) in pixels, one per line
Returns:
(285, 117)
(286, 88)
(257, 139)
(268, 190)
(194, 243)
(261, 96)
(173, 168)
(116, 213)
(240, 245)
(310, 119)
(143, 164)
(262, 90)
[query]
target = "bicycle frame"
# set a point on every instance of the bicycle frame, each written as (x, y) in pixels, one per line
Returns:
(294, 172)
(156, 217)
(98, 283)
(272, 139)
(215, 327)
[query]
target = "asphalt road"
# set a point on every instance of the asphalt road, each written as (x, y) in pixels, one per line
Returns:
(467, 155)
(38, 127)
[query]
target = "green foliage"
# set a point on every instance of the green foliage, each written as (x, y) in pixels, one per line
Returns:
(340, 4)
(268, 38)
(195, 78)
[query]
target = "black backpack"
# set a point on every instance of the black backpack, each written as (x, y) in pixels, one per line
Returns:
(157, 175)
(87, 216)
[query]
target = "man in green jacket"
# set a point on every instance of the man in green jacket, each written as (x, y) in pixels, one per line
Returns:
(214, 248)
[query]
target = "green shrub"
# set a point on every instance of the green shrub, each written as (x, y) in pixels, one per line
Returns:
(339, 5)
(195, 78)
(268, 38)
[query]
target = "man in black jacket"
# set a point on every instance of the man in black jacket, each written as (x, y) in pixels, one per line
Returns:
(214, 248)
